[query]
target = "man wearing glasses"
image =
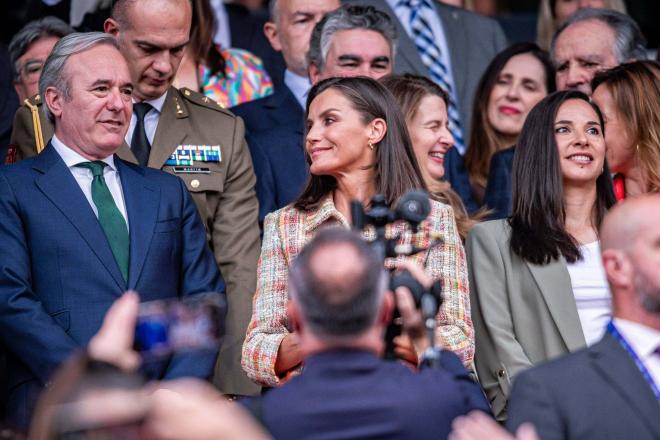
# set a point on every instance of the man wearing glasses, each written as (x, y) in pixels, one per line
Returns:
(28, 51)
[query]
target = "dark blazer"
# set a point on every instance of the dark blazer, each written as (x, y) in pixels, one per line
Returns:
(352, 394)
(58, 275)
(246, 29)
(457, 176)
(597, 393)
(498, 196)
(222, 190)
(279, 110)
(473, 41)
(279, 163)
(8, 101)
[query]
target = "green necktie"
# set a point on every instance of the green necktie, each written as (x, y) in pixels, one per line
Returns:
(110, 218)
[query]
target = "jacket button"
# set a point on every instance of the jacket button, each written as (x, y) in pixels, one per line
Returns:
(500, 372)
(194, 183)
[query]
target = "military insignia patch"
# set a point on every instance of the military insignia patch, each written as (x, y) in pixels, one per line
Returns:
(187, 155)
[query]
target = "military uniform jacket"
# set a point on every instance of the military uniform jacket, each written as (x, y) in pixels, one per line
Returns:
(222, 188)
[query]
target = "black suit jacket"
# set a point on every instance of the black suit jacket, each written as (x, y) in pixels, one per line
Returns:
(275, 136)
(457, 176)
(247, 32)
(498, 196)
(596, 393)
(352, 394)
(279, 110)
(8, 101)
(279, 163)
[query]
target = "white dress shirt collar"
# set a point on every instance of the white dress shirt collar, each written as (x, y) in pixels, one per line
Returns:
(150, 119)
(84, 177)
(642, 339)
(72, 158)
(299, 86)
(158, 102)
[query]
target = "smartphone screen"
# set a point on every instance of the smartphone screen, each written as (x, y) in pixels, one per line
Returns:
(195, 322)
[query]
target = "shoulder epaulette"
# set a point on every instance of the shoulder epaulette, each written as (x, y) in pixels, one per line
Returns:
(199, 99)
(34, 103)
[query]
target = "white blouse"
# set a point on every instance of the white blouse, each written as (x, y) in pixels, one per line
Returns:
(591, 291)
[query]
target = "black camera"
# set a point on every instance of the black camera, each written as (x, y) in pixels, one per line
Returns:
(412, 209)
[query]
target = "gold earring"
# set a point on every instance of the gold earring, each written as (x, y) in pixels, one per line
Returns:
(370, 145)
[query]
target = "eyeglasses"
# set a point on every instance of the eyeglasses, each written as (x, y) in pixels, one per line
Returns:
(31, 70)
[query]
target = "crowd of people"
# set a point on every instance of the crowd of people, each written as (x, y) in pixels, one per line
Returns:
(191, 147)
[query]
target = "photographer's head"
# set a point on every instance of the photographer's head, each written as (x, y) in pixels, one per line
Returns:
(338, 290)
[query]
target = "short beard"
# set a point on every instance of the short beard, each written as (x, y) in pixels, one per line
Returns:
(649, 295)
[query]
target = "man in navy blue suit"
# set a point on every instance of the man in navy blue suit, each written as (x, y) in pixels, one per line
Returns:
(339, 311)
(79, 226)
(288, 31)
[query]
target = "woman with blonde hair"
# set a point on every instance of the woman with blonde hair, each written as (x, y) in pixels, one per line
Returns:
(552, 13)
(629, 97)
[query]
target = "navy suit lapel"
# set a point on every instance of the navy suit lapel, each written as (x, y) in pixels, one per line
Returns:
(283, 107)
(58, 184)
(611, 361)
(142, 200)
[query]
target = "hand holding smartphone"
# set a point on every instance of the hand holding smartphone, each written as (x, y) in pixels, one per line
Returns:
(195, 322)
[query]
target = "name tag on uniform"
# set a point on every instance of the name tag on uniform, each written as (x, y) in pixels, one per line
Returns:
(189, 154)
(192, 170)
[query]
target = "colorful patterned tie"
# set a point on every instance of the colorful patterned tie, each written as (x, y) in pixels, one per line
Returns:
(432, 58)
(110, 218)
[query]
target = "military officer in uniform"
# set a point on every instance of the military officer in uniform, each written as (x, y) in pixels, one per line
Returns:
(190, 135)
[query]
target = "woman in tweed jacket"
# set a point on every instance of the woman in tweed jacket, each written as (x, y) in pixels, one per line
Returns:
(357, 146)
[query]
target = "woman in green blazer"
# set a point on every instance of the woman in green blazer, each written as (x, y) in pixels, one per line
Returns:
(523, 305)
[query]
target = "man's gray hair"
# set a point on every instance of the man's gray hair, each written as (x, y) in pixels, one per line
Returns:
(348, 17)
(53, 74)
(629, 43)
(338, 307)
(30, 34)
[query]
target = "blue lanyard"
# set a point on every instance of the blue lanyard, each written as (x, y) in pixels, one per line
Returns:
(638, 362)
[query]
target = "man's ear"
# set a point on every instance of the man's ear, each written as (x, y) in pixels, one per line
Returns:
(54, 100)
(270, 30)
(618, 268)
(314, 74)
(110, 26)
